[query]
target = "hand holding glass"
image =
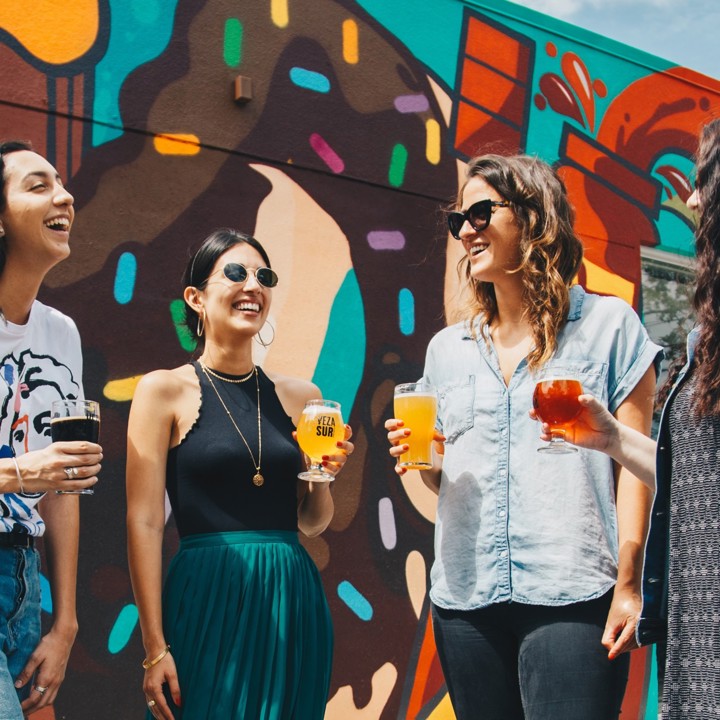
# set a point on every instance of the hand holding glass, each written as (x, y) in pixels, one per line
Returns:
(319, 431)
(416, 405)
(71, 421)
(556, 403)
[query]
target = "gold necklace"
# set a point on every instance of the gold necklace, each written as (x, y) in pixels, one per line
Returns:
(227, 379)
(258, 479)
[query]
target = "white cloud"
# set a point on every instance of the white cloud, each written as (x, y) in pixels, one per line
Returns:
(567, 9)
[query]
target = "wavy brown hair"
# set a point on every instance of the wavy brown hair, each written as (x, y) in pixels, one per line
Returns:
(707, 292)
(551, 252)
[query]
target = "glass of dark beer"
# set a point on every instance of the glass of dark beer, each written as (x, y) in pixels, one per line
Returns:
(556, 403)
(73, 420)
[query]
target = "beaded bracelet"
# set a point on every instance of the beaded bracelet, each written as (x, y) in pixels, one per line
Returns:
(147, 664)
(17, 472)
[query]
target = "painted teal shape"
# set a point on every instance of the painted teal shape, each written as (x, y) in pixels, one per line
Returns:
(45, 595)
(398, 165)
(177, 313)
(232, 46)
(355, 600)
(123, 628)
(651, 703)
(341, 363)
(406, 311)
(310, 80)
(418, 31)
(140, 30)
(125, 275)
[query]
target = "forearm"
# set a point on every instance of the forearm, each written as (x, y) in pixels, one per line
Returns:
(636, 452)
(61, 541)
(431, 477)
(145, 561)
(316, 509)
(8, 477)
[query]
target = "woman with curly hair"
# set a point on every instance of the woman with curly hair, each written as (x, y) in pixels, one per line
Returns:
(681, 583)
(536, 578)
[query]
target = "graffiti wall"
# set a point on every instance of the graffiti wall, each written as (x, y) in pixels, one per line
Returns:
(335, 131)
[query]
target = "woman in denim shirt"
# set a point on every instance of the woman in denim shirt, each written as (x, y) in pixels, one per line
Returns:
(681, 575)
(536, 578)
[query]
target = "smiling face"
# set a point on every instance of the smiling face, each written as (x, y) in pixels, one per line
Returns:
(235, 307)
(38, 211)
(494, 251)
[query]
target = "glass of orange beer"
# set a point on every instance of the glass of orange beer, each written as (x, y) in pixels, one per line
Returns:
(416, 405)
(319, 430)
(556, 403)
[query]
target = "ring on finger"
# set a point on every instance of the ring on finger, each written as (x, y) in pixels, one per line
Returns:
(69, 472)
(151, 703)
(39, 688)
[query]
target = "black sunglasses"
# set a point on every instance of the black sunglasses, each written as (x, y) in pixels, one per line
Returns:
(478, 215)
(239, 273)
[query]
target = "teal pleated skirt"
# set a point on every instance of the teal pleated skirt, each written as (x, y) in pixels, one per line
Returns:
(249, 625)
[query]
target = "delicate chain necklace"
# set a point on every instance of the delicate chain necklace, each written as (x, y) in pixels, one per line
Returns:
(227, 379)
(258, 479)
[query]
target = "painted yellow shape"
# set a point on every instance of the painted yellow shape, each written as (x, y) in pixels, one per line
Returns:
(289, 219)
(279, 13)
(432, 141)
(177, 144)
(444, 101)
(342, 704)
(121, 390)
(444, 710)
(415, 578)
(601, 280)
(351, 53)
(54, 31)
(424, 500)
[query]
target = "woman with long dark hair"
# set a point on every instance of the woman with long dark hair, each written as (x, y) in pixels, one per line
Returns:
(681, 578)
(536, 578)
(243, 629)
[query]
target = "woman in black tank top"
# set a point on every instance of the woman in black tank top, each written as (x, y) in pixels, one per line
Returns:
(243, 629)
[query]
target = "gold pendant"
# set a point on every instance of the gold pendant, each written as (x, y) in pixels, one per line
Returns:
(258, 479)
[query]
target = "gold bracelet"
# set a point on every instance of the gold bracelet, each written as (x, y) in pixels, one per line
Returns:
(17, 472)
(147, 664)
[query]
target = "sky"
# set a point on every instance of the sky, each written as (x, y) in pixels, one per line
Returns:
(682, 31)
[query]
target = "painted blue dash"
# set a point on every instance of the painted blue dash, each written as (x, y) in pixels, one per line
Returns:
(45, 595)
(355, 600)
(125, 278)
(123, 628)
(310, 80)
(406, 311)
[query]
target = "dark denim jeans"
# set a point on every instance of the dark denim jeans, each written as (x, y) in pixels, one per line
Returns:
(19, 623)
(528, 662)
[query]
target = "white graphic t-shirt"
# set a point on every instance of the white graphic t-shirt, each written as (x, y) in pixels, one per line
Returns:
(40, 361)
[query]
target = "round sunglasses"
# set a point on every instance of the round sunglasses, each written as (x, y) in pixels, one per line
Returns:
(237, 273)
(478, 215)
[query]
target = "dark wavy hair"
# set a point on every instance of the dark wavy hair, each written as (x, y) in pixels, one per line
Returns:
(707, 293)
(551, 251)
(7, 147)
(201, 264)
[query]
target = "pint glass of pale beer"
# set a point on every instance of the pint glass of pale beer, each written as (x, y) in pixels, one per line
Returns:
(319, 430)
(556, 403)
(416, 405)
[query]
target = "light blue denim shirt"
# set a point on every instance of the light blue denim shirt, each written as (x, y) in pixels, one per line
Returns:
(514, 524)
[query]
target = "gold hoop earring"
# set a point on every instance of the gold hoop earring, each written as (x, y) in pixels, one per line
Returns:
(258, 337)
(200, 324)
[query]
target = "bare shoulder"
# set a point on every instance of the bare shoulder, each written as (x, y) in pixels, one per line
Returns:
(293, 393)
(166, 385)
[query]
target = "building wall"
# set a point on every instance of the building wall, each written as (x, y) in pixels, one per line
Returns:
(361, 118)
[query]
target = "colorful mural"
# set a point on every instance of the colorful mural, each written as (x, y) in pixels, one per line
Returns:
(361, 117)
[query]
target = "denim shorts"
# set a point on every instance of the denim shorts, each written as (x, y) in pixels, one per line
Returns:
(19, 623)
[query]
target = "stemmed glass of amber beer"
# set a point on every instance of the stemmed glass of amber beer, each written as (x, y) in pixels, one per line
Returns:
(416, 405)
(556, 403)
(319, 430)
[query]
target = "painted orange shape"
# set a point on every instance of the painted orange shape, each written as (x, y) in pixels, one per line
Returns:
(79, 18)
(177, 144)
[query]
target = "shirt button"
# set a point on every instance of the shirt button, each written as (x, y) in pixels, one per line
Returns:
(503, 553)
(501, 513)
(502, 472)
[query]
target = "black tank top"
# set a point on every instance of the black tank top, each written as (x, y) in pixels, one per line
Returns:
(210, 473)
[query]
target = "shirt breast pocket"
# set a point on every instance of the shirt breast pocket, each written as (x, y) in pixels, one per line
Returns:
(456, 405)
(592, 375)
